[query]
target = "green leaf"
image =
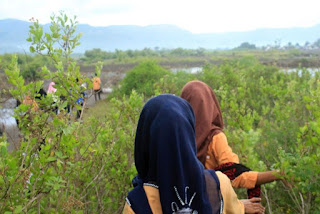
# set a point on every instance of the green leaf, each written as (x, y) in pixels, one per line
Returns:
(51, 159)
(32, 50)
(58, 154)
(18, 209)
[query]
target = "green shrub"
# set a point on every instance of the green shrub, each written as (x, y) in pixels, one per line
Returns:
(142, 78)
(65, 165)
(272, 122)
(173, 82)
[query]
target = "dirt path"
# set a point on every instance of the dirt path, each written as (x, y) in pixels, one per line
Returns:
(91, 100)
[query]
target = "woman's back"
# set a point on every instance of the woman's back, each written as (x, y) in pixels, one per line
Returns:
(165, 157)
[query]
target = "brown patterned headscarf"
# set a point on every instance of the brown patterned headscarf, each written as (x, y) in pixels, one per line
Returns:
(207, 113)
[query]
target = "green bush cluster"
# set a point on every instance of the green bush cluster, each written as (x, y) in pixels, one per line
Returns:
(30, 66)
(142, 78)
(271, 120)
(79, 169)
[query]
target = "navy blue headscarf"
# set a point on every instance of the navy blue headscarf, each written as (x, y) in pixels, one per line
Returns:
(165, 155)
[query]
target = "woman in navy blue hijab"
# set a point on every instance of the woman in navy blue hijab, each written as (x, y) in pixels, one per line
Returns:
(165, 158)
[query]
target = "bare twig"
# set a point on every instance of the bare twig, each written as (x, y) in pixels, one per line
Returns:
(32, 200)
(302, 203)
(95, 178)
(267, 199)
(293, 196)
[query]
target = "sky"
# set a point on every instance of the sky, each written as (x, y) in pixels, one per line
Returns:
(196, 16)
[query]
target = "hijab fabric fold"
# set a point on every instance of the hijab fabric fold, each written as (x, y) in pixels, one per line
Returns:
(165, 155)
(207, 113)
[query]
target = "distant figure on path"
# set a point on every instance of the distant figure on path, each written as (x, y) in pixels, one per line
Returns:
(51, 91)
(81, 99)
(39, 96)
(29, 101)
(96, 87)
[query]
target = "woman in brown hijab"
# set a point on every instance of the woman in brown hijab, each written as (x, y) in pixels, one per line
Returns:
(212, 145)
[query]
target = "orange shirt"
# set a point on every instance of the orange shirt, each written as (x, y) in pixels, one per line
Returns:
(28, 101)
(219, 152)
(231, 204)
(96, 83)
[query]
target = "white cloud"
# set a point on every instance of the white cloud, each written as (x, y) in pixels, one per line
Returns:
(196, 16)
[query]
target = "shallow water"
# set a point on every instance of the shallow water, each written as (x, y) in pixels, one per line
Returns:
(8, 124)
(191, 70)
(6, 117)
(312, 71)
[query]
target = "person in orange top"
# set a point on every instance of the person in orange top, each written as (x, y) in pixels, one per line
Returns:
(28, 101)
(96, 87)
(170, 177)
(212, 145)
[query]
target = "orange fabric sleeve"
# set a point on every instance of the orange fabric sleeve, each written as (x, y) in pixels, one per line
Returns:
(246, 180)
(219, 152)
(231, 203)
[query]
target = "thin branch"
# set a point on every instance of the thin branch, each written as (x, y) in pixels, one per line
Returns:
(95, 178)
(267, 199)
(32, 200)
(302, 203)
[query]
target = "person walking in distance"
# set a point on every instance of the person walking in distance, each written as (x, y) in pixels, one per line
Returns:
(96, 87)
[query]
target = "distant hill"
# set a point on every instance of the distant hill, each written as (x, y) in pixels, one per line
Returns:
(13, 34)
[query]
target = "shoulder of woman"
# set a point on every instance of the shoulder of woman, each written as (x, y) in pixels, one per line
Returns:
(220, 136)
